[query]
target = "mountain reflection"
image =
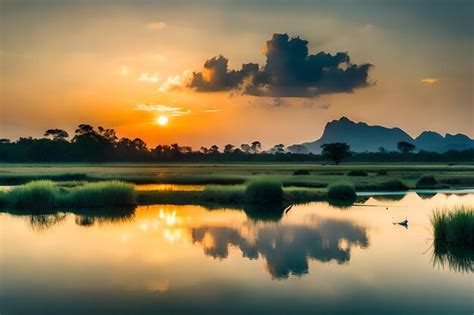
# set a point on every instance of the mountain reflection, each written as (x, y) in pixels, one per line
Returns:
(285, 248)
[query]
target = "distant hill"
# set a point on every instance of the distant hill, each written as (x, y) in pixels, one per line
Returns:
(363, 137)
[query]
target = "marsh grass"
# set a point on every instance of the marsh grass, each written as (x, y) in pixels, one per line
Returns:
(37, 195)
(264, 191)
(342, 191)
(357, 173)
(454, 227)
(300, 172)
(44, 195)
(426, 181)
(223, 194)
(100, 194)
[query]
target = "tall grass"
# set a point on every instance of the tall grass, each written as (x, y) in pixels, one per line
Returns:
(45, 195)
(223, 194)
(264, 191)
(101, 194)
(37, 195)
(454, 227)
(342, 191)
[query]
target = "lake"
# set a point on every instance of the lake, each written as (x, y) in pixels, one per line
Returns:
(166, 259)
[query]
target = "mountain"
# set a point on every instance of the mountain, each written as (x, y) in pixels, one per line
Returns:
(363, 137)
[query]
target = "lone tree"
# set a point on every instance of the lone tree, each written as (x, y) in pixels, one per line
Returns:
(56, 134)
(336, 151)
(405, 147)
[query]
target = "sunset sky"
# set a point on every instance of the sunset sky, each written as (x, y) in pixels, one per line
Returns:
(123, 64)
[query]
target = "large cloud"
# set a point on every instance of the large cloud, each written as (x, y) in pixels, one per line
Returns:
(288, 71)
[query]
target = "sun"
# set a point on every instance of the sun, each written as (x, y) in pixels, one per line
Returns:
(162, 120)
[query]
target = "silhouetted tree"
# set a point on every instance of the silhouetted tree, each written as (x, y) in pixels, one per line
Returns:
(214, 149)
(278, 148)
(405, 147)
(229, 148)
(382, 150)
(336, 151)
(5, 140)
(256, 147)
(56, 134)
(245, 148)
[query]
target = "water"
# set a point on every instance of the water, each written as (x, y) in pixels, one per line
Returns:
(189, 260)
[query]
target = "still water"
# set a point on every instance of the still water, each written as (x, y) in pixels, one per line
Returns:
(163, 259)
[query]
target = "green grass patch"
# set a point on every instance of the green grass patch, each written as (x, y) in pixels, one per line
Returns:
(44, 195)
(264, 191)
(357, 173)
(300, 172)
(342, 191)
(223, 194)
(454, 227)
(426, 181)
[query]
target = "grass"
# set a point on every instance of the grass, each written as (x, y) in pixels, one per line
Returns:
(357, 173)
(454, 227)
(44, 195)
(342, 191)
(223, 194)
(426, 181)
(300, 172)
(35, 195)
(390, 185)
(453, 232)
(264, 191)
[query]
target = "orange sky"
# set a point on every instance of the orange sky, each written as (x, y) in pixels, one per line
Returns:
(63, 64)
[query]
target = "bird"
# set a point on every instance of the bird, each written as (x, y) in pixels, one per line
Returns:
(402, 223)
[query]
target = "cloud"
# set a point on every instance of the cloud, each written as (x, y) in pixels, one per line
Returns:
(430, 80)
(170, 110)
(157, 25)
(289, 71)
(124, 70)
(175, 82)
(211, 110)
(149, 77)
(368, 27)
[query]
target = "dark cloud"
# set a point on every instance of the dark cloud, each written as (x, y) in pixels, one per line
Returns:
(288, 71)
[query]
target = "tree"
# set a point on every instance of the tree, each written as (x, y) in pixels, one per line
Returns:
(382, 150)
(336, 151)
(214, 149)
(245, 148)
(405, 147)
(278, 148)
(229, 148)
(256, 147)
(56, 134)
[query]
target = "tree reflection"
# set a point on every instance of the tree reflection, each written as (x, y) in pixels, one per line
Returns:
(285, 248)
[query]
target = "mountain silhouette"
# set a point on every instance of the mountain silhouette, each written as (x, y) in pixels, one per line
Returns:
(363, 137)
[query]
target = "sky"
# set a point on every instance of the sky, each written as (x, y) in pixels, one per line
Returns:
(227, 71)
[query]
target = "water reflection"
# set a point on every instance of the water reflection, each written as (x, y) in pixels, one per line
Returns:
(42, 222)
(456, 259)
(286, 248)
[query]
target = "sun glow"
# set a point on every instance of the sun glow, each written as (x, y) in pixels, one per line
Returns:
(162, 120)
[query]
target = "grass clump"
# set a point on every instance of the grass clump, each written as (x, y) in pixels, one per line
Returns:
(264, 191)
(357, 173)
(455, 227)
(426, 181)
(393, 185)
(382, 173)
(300, 172)
(45, 195)
(342, 192)
(223, 194)
(37, 195)
(101, 194)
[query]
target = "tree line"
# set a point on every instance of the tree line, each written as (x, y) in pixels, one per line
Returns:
(89, 144)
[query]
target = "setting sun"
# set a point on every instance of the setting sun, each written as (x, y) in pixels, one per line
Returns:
(162, 120)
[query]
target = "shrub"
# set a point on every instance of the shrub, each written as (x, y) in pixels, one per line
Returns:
(36, 195)
(264, 191)
(357, 173)
(393, 185)
(300, 172)
(454, 228)
(427, 181)
(382, 173)
(342, 191)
